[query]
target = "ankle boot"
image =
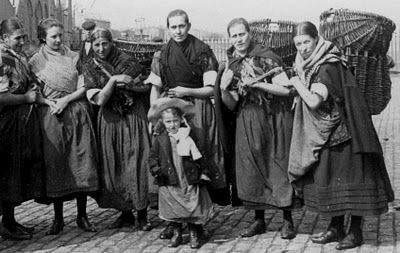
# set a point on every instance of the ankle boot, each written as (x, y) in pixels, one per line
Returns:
(168, 232)
(144, 224)
(354, 238)
(194, 236)
(176, 239)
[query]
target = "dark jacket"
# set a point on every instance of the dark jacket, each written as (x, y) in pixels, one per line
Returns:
(162, 165)
(83, 57)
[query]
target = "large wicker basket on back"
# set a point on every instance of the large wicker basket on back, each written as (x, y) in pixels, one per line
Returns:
(364, 38)
(142, 51)
(277, 35)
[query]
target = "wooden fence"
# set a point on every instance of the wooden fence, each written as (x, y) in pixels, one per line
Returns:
(394, 49)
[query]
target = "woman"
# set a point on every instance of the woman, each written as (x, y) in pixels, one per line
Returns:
(336, 160)
(187, 68)
(22, 165)
(69, 142)
(115, 85)
(263, 127)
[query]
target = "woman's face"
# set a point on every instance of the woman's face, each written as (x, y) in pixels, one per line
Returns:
(54, 37)
(102, 47)
(240, 38)
(305, 45)
(16, 40)
(178, 28)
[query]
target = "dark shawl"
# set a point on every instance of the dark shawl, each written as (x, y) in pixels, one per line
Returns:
(226, 119)
(116, 63)
(183, 64)
(255, 50)
(354, 109)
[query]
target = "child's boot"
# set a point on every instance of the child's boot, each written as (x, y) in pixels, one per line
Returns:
(176, 239)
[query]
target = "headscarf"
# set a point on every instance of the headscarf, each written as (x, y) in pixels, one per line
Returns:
(324, 52)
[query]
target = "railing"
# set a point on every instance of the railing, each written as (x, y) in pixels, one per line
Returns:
(219, 47)
(394, 49)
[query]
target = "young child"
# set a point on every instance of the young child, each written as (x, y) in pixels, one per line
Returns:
(179, 168)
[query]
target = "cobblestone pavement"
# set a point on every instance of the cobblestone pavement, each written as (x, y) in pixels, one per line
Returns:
(380, 233)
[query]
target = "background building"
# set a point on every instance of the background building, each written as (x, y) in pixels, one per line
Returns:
(30, 12)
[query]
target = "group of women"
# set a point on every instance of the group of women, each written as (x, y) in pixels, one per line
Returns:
(269, 141)
(50, 150)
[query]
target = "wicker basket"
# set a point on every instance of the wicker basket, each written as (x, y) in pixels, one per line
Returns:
(364, 38)
(275, 35)
(142, 51)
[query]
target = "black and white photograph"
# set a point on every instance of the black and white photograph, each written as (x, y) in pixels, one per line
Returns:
(179, 126)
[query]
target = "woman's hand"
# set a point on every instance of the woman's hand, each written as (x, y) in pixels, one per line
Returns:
(226, 79)
(31, 96)
(294, 82)
(122, 80)
(60, 105)
(178, 92)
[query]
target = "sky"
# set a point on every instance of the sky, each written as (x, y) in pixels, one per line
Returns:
(214, 15)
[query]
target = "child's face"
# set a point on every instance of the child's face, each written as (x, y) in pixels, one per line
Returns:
(171, 121)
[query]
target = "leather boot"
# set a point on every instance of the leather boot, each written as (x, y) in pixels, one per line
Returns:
(168, 232)
(144, 224)
(258, 227)
(125, 219)
(29, 230)
(334, 233)
(56, 227)
(13, 233)
(84, 223)
(176, 239)
(354, 238)
(287, 231)
(194, 236)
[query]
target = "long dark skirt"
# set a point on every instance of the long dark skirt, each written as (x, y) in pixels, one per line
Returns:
(261, 176)
(70, 151)
(21, 158)
(124, 144)
(343, 182)
(206, 136)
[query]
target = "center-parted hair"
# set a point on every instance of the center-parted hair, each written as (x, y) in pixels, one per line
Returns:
(176, 13)
(238, 21)
(9, 26)
(306, 28)
(44, 25)
(101, 33)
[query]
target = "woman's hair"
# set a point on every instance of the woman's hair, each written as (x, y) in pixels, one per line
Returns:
(306, 28)
(9, 26)
(44, 25)
(238, 21)
(101, 33)
(175, 111)
(176, 13)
